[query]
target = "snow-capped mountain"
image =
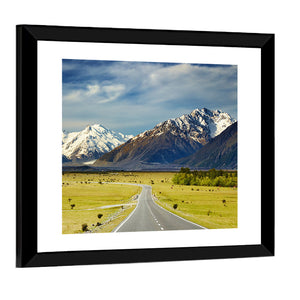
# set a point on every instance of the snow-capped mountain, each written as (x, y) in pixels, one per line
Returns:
(201, 125)
(169, 140)
(215, 121)
(90, 143)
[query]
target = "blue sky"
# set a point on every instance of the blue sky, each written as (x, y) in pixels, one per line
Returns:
(131, 97)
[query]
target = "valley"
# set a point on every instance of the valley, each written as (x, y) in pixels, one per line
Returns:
(94, 194)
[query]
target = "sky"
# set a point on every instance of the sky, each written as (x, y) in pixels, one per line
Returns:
(131, 97)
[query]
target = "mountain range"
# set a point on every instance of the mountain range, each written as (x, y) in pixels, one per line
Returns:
(90, 143)
(168, 141)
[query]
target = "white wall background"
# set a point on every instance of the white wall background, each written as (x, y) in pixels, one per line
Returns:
(255, 278)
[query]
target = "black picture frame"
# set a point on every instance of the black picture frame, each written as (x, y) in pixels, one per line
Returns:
(27, 153)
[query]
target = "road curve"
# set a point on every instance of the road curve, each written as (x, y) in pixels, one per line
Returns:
(149, 216)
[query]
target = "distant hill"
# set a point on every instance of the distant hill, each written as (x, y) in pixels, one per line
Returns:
(167, 141)
(219, 153)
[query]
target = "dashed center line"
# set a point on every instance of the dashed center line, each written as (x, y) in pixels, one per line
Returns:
(161, 228)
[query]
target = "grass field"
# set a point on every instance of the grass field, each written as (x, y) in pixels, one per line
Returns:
(206, 206)
(84, 198)
(211, 207)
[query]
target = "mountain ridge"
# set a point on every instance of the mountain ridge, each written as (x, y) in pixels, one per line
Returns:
(167, 141)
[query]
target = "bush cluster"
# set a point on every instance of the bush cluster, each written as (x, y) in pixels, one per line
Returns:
(206, 178)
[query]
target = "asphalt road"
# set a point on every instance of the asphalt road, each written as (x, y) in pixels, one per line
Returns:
(149, 216)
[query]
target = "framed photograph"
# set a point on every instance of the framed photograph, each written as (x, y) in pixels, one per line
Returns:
(138, 145)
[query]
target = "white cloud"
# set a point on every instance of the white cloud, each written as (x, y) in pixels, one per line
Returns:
(184, 82)
(133, 94)
(92, 89)
(95, 93)
(73, 96)
(110, 93)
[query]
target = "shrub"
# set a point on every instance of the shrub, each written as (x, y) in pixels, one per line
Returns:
(84, 227)
(175, 206)
(100, 216)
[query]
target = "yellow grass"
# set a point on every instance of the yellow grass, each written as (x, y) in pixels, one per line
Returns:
(90, 198)
(211, 207)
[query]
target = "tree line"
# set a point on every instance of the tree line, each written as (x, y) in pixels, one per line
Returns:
(211, 177)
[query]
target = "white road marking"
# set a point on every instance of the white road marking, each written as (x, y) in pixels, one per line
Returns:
(178, 216)
(128, 217)
(138, 203)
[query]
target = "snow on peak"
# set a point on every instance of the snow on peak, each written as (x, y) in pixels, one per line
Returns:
(200, 124)
(200, 121)
(215, 120)
(91, 142)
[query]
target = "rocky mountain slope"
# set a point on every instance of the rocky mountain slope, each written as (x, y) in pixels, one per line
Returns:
(219, 153)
